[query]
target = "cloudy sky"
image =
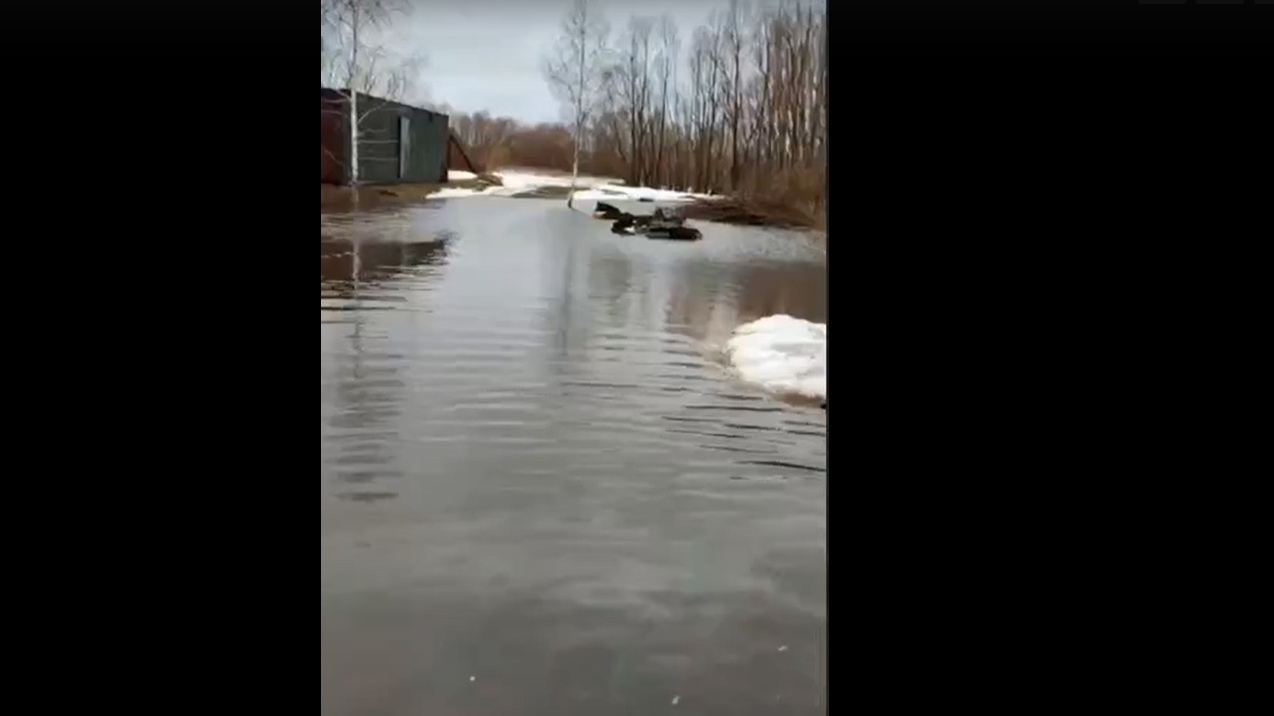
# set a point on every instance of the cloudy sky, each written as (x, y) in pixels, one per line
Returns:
(486, 54)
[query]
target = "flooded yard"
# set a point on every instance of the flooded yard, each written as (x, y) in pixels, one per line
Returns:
(542, 490)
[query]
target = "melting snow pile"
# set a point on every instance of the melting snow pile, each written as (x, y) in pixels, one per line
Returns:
(516, 182)
(782, 354)
(587, 188)
(618, 191)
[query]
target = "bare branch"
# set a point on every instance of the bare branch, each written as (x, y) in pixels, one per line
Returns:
(362, 69)
(573, 70)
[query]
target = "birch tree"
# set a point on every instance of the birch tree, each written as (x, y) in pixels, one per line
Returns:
(573, 68)
(741, 109)
(356, 61)
(669, 54)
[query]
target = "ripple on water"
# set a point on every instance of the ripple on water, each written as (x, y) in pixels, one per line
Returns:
(527, 430)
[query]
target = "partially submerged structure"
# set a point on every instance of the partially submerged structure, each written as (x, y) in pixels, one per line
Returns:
(458, 158)
(397, 143)
(664, 223)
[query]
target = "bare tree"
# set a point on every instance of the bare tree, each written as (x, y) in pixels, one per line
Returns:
(734, 48)
(573, 70)
(746, 114)
(488, 139)
(669, 54)
(354, 64)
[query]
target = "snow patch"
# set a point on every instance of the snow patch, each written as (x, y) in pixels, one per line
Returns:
(633, 193)
(588, 188)
(451, 192)
(782, 354)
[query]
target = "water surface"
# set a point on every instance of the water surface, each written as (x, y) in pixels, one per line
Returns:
(542, 493)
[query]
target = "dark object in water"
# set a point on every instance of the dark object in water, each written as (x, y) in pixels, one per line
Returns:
(670, 224)
(675, 233)
(664, 223)
(610, 212)
(644, 198)
(669, 215)
(607, 211)
(629, 224)
(824, 405)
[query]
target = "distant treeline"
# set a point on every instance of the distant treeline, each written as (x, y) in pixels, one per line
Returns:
(741, 108)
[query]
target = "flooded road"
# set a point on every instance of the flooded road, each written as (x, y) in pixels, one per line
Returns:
(542, 493)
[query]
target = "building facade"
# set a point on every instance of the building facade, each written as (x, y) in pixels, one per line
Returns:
(397, 143)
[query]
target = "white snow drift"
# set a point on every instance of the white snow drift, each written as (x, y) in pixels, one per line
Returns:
(782, 354)
(588, 188)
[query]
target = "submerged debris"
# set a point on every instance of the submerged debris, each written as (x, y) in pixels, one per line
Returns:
(607, 211)
(665, 223)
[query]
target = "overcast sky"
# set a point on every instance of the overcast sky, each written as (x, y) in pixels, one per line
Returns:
(486, 54)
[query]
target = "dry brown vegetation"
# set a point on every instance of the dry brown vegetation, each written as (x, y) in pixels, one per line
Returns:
(740, 109)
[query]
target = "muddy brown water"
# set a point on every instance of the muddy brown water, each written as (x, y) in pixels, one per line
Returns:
(542, 493)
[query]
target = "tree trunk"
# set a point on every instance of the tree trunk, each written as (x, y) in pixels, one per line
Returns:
(570, 198)
(353, 146)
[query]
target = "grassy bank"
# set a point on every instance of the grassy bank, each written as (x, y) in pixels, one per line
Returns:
(756, 212)
(793, 198)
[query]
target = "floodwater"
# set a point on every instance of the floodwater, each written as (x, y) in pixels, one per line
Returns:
(542, 493)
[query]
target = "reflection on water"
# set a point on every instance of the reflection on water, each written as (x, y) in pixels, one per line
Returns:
(541, 491)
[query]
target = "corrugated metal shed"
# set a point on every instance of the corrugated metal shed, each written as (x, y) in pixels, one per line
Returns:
(397, 144)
